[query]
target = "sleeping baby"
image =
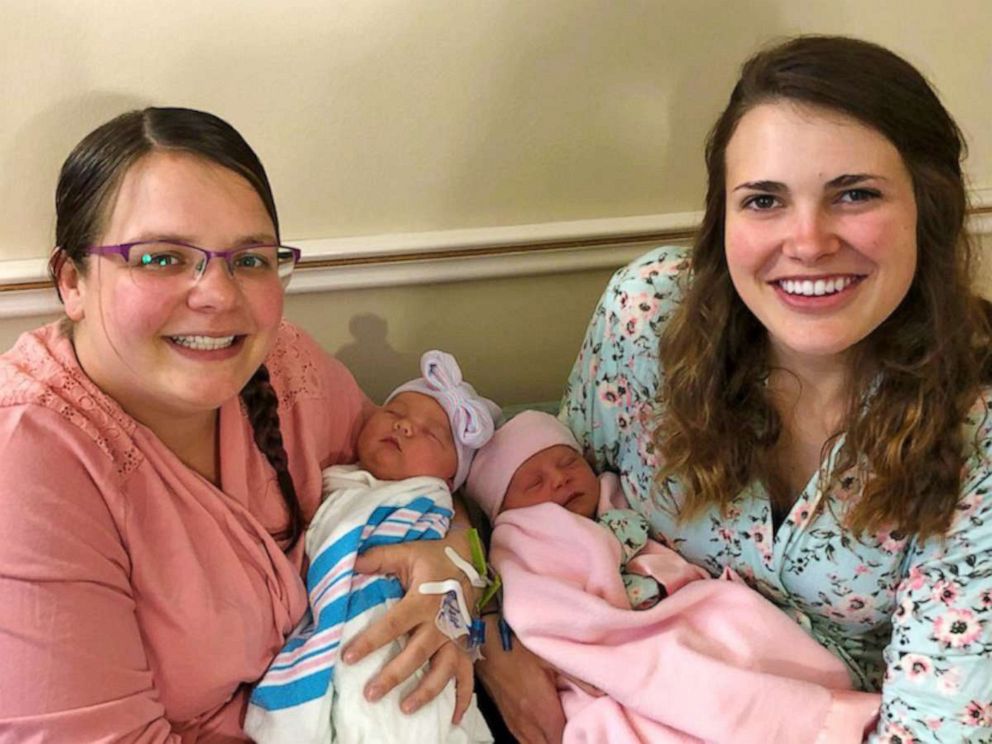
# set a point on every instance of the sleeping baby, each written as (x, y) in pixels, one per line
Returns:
(413, 452)
(700, 660)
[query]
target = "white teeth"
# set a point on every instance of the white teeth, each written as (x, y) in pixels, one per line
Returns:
(204, 343)
(817, 288)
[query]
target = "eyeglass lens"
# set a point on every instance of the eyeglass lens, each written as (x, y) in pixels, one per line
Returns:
(163, 261)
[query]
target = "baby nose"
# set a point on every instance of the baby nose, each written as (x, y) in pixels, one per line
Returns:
(403, 426)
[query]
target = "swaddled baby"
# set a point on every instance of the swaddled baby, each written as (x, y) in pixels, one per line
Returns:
(412, 453)
(704, 660)
(534, 459)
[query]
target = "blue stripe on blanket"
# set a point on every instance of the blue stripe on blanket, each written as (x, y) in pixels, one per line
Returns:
(293, 693)
(356, 602)
(305, 665)
(374, 594)
(382, 589)
(331, 555)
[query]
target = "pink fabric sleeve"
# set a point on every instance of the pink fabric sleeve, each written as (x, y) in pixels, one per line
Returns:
(352, 407)
(325, 401)
(74, 666)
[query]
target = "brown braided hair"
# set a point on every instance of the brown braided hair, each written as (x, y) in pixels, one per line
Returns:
(85, 196)
(262, 406)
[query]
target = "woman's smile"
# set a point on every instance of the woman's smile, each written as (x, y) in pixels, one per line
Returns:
(207, 348)
(818, 294)
(821, 248)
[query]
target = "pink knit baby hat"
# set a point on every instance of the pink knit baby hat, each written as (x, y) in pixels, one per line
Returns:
(512, 445)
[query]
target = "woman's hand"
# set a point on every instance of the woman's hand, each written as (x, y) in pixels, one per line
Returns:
(523, 688)
(413, 564)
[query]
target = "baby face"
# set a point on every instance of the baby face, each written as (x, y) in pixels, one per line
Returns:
(559, 475)
(407, 437)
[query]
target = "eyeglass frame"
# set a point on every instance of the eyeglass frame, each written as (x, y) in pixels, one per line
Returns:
(124, 251)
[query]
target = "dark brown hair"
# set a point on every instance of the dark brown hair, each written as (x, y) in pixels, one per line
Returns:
(929, 357)
(87, 187)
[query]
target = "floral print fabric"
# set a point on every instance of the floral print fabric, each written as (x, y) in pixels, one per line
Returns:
(632, 530)
(912, 619)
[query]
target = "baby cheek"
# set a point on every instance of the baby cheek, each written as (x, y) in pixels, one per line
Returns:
(515, 499)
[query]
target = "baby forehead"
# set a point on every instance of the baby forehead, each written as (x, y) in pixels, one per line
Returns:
(417, 404)
(554, 455)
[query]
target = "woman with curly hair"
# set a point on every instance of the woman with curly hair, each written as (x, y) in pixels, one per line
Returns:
(803, 396)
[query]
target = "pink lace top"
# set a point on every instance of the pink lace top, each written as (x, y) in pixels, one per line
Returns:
(137, 599)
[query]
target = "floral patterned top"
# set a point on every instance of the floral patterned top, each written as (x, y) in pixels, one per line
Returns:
(912, 619)
(632, 531)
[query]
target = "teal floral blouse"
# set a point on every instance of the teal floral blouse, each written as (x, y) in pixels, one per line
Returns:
(912, 619)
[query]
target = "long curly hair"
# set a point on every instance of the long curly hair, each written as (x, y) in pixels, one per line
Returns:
(84, 197)
(916, 375)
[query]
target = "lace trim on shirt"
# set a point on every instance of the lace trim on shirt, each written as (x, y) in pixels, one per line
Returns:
(292, 369)
(42, 370)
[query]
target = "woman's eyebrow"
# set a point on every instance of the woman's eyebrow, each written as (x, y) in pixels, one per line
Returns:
(772, 187)
(148, 236)
(257, 239)
(776, 187)
(252, 239)
(851, 179)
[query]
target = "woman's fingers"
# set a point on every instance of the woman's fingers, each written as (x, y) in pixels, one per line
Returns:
(414, 564)
(420, 647)
(447, 663)
(397, 622)
(464, 685)
(391, 559)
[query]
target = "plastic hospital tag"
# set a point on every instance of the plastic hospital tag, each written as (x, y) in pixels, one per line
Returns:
(466, 568)
(479, 574)
(453, 618)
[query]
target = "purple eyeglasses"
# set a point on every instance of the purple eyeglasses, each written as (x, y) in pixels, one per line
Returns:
(154, 262)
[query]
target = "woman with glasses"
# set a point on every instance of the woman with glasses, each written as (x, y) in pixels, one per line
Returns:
(161, 451)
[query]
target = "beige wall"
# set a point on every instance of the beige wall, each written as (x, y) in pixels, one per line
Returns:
(389, 116)
(381, 116)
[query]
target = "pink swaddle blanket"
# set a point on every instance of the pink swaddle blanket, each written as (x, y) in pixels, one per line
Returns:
(714, 661)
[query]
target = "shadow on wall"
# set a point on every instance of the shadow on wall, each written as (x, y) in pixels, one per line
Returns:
(35, 157)
(372, 360)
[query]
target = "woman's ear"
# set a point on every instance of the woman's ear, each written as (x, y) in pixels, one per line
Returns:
(72, 289)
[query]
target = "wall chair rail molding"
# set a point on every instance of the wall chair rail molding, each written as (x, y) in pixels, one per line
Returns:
(445, 256)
